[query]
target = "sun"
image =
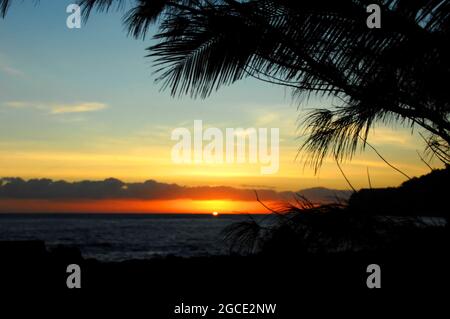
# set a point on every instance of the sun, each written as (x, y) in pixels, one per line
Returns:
(215, 214)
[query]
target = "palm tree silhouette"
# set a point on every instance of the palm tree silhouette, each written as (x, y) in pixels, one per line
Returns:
(395, 74)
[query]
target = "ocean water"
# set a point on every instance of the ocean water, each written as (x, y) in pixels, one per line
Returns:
(116, 237)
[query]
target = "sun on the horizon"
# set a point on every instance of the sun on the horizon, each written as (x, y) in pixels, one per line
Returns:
(215, 214)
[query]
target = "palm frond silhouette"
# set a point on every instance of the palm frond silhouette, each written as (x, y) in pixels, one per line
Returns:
(395, 74)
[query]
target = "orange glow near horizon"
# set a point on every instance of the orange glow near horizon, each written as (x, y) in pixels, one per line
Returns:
(178, 206)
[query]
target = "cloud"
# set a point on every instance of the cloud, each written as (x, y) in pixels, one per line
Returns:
(268, 118)
(386, 136)
(78, 108)
(16, 104)
(56, 109)
(111, 188)
(5, 67)
(11, 71)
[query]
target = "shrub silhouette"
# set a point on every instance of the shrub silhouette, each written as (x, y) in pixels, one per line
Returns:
(372, 220)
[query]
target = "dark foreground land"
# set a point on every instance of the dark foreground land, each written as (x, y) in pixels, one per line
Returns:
(29, 272)
(302, 266)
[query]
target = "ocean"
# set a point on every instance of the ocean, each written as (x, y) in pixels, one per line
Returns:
(117, 237)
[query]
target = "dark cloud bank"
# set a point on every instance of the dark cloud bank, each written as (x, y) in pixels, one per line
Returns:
(111, 188)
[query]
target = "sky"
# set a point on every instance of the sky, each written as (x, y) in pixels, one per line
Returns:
(82, 104)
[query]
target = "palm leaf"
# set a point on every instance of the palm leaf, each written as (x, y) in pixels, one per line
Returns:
(316, 47)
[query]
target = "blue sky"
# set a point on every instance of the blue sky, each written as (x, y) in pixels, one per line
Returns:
(58, 65)
(116, 121)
